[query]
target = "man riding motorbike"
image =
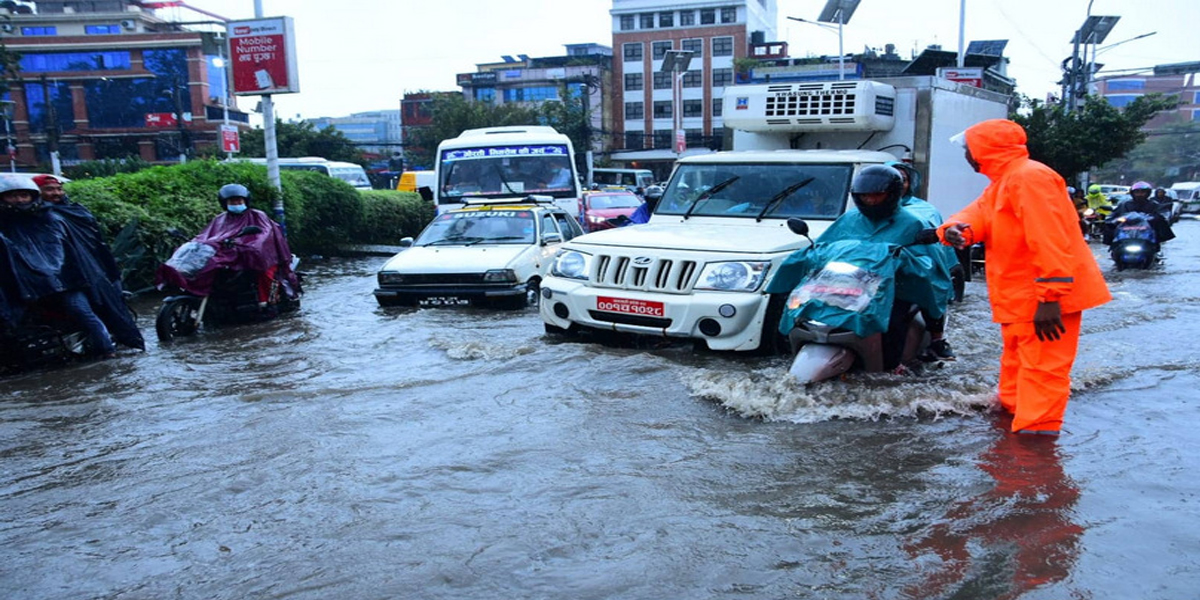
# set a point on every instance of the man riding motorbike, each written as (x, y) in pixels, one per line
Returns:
(1140, 201)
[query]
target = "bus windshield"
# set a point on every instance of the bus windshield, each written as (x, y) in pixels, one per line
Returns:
(505, 171)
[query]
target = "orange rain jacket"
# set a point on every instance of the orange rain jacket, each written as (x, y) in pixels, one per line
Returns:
(1029, 228)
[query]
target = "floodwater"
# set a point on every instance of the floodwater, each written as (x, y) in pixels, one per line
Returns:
(355, 452)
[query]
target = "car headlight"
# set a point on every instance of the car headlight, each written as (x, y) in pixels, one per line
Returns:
(391, 278)
(571, 264)
(500, 276)
(736, 276)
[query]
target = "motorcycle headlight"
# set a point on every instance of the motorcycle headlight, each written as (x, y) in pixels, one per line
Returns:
(734, 276)
(500, 276)
(571, 264)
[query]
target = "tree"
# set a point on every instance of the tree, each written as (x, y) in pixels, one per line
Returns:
(303, 139)
(1168, 155)
(1096, 133)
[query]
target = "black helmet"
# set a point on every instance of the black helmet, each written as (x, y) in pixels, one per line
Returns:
(873, 180)
(232, 190)
(12, 183)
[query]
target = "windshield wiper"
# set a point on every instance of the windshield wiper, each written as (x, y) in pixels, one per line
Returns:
(466, 241)
(500, 174)
(709, 194)
(787, 191)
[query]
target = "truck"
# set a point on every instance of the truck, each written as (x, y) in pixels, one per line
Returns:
(699, 268)
(1188, 193)
(497, 163)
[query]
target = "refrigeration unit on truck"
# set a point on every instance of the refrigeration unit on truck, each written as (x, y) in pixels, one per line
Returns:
(497, 163)
(699, 268)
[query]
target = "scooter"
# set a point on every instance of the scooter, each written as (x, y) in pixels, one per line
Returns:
(44, 338)
(843, 314)
(1134, 244)
(232, 298)
(1094, 222)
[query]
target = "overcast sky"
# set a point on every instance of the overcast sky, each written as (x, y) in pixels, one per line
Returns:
(360, 55)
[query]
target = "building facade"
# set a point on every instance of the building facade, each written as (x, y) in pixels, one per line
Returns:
(1122, 90)
(717, 33)
(375, 132)
(109, 79)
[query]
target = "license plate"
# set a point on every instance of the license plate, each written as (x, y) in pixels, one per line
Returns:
(444, 301)
(629, 306)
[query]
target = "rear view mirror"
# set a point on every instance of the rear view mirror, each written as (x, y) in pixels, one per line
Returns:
(551, 238)
(798, 226)
(425, 193)
(406, 242)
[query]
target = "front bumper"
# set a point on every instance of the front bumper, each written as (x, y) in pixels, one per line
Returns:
(468, 292)
(723, 320)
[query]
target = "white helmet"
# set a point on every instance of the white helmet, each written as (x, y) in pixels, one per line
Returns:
(12, 183)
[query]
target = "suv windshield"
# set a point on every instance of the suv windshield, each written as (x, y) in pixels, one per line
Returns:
(479, 227)
(748, 188)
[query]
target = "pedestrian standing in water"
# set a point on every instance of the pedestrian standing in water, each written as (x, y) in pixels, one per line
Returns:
(1041, 275)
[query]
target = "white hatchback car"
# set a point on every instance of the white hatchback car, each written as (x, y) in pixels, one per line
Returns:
(487, 253)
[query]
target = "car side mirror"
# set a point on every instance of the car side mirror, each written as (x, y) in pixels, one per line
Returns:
(551, 238)
(406, 242)
(425, 193)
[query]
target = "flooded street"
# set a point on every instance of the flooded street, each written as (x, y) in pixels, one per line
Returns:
(355, 452)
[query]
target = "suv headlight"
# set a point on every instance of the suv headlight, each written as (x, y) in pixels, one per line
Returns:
(391, 278)
(500, 276)
(571, 264)
(734, 276)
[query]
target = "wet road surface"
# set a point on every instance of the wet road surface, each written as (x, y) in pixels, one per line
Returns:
(356, 452)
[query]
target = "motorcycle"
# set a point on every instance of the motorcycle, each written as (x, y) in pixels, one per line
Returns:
(843, 313)
(1134, 244)
(232, 293)
(1094, 222)
(44, 337)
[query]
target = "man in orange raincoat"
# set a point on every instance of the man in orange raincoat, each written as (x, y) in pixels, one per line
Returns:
(1041, 274)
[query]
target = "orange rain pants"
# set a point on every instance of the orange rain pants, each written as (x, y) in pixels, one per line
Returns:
(1035, 375)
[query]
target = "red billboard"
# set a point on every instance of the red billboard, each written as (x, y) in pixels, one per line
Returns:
(263, 56)
(160, 119)
(230, 142)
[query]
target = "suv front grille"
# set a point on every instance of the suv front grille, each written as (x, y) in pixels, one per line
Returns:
(643, 273)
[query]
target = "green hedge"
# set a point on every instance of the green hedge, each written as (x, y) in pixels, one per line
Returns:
(140, 210)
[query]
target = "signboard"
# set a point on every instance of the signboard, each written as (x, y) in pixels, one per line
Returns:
(160, 119)
(970, 76)
(230, 142)
(680, 141)
(263, 56)
(813, 72)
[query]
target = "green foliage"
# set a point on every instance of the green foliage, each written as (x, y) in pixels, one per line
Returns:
(1097, 132)
(391, 215)
(302, 139)
(106, 167)
(329, 211)
(1169, 155)
(454, 114)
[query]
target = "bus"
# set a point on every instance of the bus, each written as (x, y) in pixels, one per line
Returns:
(496, 163)
(349, 172)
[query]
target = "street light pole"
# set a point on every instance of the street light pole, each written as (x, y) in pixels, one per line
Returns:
(676, 63)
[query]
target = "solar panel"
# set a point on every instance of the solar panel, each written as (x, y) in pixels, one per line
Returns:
(987, 47)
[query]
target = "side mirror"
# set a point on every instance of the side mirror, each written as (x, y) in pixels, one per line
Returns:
(406, 242)
(551, 238)
(927, 236)
(250, 230)
(798, 226)
(425, 193)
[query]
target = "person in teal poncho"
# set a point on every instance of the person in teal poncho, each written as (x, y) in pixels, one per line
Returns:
(944, 258)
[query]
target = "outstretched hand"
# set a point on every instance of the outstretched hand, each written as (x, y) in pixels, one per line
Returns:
(956, 235)
(1047, 321)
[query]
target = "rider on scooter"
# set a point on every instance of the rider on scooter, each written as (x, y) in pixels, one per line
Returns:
(1139, 201)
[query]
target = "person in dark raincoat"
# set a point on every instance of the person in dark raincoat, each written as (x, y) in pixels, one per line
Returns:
(1140, 201)
(43, 262)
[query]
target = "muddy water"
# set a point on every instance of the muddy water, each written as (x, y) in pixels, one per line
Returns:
(355, 452)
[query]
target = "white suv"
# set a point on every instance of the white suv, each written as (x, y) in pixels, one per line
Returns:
(490, 252)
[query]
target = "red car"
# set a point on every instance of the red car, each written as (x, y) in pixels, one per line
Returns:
(599, 207)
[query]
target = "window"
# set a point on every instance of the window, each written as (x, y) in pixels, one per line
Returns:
(39, 30)
(722, 77)
(693, 108)
(485, 94)
(635, 110)
(693, 137)
(662, 81)
(76, 61)
(659, 49)
(729, 15)
(531, 94)
(662, 109)
(102, 29)
(708, 16)
(632, 51)
(693, 79)
(722, 46)
(59, 104)
(687, 18)
(633, 82)
(695, 45)
(717, 107)
(123, 102)
(663, 138)
(567, 226)
(626, 22)
(647, 20)
(666, 19)
(635, 140)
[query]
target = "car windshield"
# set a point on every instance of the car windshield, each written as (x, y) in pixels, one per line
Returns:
(772, 190)
(472, 227)
(607, 201)
(507, 171)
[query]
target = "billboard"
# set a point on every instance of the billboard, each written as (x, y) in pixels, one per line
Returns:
(230, 142)
(970, 76)
(262, 56)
